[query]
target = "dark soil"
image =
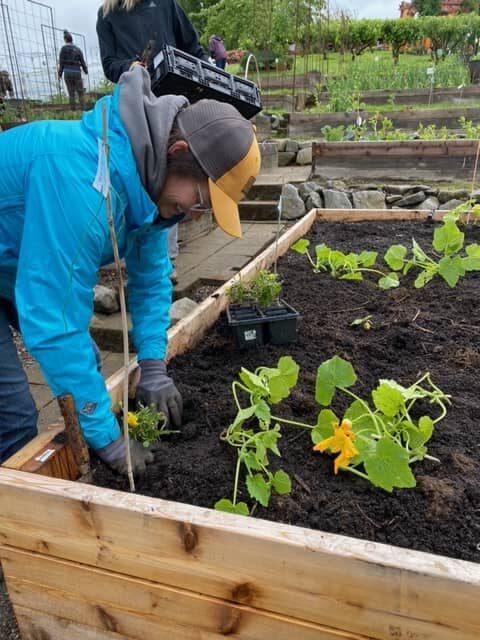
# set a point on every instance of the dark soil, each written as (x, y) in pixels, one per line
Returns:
(434, 329)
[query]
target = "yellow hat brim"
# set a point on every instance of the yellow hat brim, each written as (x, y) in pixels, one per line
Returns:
(225, 210)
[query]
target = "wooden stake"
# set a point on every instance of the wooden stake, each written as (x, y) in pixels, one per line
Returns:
(123, 306)
(74, 436)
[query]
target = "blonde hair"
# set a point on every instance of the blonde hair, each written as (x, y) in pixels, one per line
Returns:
(112, 5)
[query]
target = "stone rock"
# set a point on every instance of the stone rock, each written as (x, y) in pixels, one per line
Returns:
(292, 205)
(430, 204)
(181, 308)
(304, 156)
(306, 188)
(398, 189)
(276, 122)
(285, 158)
(458, 194)
(262, 120)
(451, 204)
(412, 200)
(269, 155)
(314, 201)
(291, 146)
(476, 196)
(336, 199)
(393, 199)
(365, 187)
(281, 143)
(420, 187)
(105, 300)
(305, 145)
(368, 200)
(336, 185)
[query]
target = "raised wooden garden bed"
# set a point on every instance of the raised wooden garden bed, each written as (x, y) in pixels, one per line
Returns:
(82, 562)
(455, 158)
(310, 125)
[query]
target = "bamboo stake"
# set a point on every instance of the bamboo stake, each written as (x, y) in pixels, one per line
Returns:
(74, 436)
(123, 306)
(474, 179)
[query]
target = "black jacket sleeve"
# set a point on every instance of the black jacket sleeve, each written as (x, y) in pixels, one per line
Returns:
(82, 62)
(61, 61)
(112, 66)
(185, 34)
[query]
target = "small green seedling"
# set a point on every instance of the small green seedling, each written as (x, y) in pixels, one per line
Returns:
(343, 266)
(263, 290)
(365, 323)
(147, 426)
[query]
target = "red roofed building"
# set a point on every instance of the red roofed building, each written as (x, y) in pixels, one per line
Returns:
(449, 8)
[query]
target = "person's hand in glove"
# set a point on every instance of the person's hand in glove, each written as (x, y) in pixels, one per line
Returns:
(158, 389)
(114, 455)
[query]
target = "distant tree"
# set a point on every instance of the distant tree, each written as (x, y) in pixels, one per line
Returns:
(428, 7)
(398, 33)
(470, 6)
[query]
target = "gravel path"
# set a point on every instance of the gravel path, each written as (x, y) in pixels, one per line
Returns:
(8, 624)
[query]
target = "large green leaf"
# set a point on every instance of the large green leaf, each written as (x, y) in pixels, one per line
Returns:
(227, 506)
(362, 421)
(388, 466)
(262, 412)
(253, 382)
(423, 278)
(243, 415)
(270, 439)
(395, 256)
(289, 369)
(301, 246)
(258, 489)
(472, 262)
(325, 426)
(281, 483)
(448, 239)
(367, 258)
(451, 270)
(332, 374)
(387, 399)
(390, 281)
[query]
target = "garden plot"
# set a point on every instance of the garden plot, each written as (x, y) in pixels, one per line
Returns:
(412, 159)
(138, 567)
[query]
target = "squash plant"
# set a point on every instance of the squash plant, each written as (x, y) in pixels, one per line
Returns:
(377, 439)
(451, 260)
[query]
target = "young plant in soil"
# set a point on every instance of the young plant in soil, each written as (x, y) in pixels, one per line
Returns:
(379, 442)
(449, 261)
(263, 290)
(255, 432)
(344, 266)
(147, 426)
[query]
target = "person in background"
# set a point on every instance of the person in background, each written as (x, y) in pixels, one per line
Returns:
(125, 27)
(168, 162)
(216, 48)
(71, 63)
(5, 85)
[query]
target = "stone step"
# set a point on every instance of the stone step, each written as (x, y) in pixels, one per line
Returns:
(260, 210)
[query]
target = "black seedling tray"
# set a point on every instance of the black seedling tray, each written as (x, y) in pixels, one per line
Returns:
(179, 73)
(252, 327)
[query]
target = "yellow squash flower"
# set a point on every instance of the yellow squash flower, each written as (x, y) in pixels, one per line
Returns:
(341, 442)
(132, 420)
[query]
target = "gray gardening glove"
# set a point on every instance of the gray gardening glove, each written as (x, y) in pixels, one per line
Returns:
(114, 455)
(158, 389)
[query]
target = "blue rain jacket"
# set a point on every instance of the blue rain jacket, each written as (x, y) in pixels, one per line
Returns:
(54, 237)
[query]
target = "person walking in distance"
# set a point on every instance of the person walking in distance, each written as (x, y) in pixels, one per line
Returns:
(71, 63)
(217, 51)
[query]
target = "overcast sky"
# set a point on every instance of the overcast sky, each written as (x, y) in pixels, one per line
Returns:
(80, 15)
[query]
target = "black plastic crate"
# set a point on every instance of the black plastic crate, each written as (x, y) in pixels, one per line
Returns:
(281, 324)
(247, 325)
(179, 73)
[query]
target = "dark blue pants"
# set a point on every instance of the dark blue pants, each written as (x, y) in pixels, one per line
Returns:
(221, 62)
(18, 413)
